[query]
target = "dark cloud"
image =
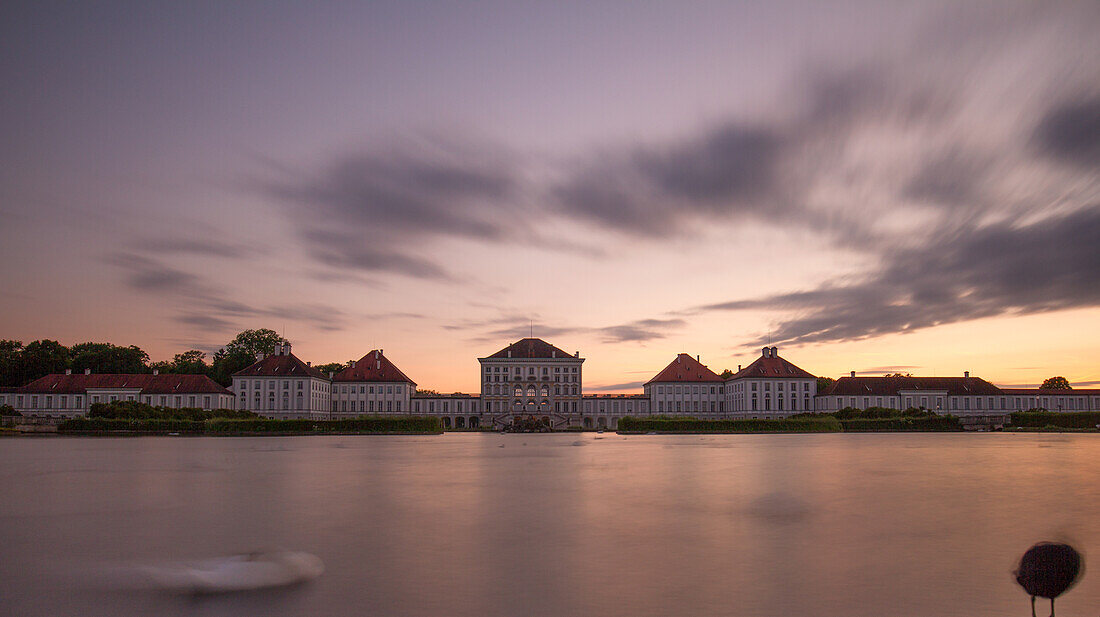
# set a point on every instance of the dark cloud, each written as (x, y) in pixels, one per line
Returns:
(1049, 265)
(205, 322)
(194, 246)
(899, 368)
(1071, 132)
(146, 274)
(640, 331)
(518, 327)
(368, 211)
(207, 307)
(656, 190)
(949, 179)
(629, 385)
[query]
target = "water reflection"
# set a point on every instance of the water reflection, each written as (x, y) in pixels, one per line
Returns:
(488, 524)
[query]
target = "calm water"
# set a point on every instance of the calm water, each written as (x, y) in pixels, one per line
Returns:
(514, 525)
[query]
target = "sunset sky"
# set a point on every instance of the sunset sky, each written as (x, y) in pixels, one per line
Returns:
(870, 186)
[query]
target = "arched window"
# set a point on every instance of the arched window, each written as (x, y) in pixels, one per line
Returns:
(545, 391)
(530, 391)
(519, 391)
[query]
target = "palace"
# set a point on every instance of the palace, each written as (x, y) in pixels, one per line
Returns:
(532, 381)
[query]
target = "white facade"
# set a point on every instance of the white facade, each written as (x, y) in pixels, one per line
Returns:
(532, 378)
(455, 411)
(282, 386)
(59, 397)
(770, 387)
(371, 385)
(605, 410)
(958, 396)
(354, 399)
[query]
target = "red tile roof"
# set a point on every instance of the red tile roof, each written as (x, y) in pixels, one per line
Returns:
(373, 367)
(531, 348)
(685, 368)
(280, 365)
(1050, 391)
(891, 386)
(772, 367)
(147, 384)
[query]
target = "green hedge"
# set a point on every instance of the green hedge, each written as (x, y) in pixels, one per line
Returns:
(136, 410)
(692, 425)
(260, 425)
(803, 423)
(931, 423)
(140, 426)
(1067, 419)
(404, 424)
(375, 424)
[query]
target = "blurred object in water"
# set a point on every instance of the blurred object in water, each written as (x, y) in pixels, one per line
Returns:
(1048, 569)
(249, 571)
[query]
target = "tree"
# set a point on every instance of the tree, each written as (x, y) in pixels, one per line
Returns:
(898, 375)
(1056, 383)
(426, 392)
(331, 367)
(241, 352)
(824, 383)
(108, 358)
(726, 374)
(190, 362)
(11, 363)
(41, 358)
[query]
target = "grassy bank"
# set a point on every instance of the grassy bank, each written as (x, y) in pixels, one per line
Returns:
(251, 426)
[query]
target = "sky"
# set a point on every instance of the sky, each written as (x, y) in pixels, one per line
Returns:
(869, 186)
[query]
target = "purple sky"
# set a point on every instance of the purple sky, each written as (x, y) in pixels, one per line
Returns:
(864, 184)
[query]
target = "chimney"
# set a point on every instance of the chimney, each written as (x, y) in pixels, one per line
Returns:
(853, 373)
(381, 351)
(677, 359)
(156, 371)
(764, 352)
(330, 374)
(775, 352)
(352, 364)
(87, 371)
(738, 368)
(259, 356)
(309, 363)
(966, 373)
(68, 371)
(577, 354)
(697, 358)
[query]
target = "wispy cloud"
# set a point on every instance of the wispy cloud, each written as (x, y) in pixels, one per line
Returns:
(206, 307)
(973, 273)
(614, 387)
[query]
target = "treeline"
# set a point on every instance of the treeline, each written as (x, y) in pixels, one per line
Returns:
(21, 364)
(251, 426)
